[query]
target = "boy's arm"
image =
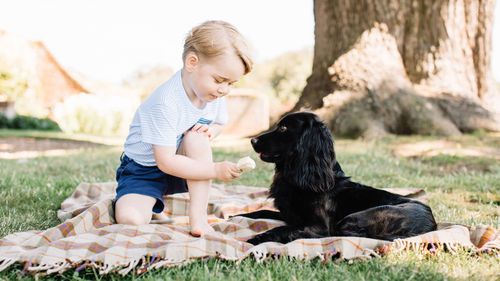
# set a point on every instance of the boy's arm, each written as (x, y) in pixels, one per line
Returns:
(181, 166)
(184, 167)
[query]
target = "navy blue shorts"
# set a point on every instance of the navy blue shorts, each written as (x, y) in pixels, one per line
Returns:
(151, 181)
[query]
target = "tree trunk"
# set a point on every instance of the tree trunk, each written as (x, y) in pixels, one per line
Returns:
(403, 67)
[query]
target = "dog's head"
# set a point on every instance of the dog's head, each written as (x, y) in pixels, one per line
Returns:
(301, 146)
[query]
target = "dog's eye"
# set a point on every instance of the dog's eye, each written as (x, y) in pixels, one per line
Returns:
(281, 129)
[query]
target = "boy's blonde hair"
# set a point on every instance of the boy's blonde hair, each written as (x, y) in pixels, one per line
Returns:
(213, 38)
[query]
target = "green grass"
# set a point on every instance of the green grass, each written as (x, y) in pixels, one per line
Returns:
(460, 189)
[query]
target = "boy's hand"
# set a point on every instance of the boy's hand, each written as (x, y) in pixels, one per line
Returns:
(226, 171)
(202, 129)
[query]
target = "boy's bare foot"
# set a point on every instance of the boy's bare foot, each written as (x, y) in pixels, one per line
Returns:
(203, 229)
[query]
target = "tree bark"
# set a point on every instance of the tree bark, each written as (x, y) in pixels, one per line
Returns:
(403, 67)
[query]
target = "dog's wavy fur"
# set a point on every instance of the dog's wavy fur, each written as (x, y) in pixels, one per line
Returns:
(314, 197)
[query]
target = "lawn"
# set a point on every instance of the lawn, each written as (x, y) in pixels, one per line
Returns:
(460, 189)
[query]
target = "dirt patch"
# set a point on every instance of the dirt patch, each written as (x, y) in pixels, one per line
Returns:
(469, 165)
(19, 147)
(451, 157)
(435, 148)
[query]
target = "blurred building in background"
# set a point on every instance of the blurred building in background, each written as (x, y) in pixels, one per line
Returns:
(31, 76)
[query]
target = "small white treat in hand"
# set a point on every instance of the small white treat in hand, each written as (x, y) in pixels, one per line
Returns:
(246, 164)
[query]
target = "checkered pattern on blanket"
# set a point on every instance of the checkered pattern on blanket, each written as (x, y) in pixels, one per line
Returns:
(89, 237)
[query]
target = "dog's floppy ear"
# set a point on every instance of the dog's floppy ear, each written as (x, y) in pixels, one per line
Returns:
(311, 161)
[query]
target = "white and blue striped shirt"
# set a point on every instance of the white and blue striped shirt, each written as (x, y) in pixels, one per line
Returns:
(165, 116)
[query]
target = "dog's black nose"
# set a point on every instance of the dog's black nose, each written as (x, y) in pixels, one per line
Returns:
(253, 141)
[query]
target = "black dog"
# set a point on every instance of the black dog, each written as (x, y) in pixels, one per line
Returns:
(314, 197)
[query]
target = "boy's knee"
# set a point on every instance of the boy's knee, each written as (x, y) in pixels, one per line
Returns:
(196, 145)
(134, 209)
(132, 217)
(195, 139)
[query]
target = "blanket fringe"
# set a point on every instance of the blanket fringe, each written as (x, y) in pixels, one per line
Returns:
(400, 245)
(330, 255)
(369, 253)
(63, 266)
(6, 262)
(165, 263)
(488, 247)
(105, 268)
(40, 267)
(259, 253)
(130, 266)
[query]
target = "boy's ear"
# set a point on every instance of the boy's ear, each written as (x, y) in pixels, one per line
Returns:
(191, 61)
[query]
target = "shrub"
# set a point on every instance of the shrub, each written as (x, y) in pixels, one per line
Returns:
(96, 114)
(4, 121)
(32, 123)
(23, 122)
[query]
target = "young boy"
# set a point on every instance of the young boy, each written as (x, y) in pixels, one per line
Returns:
(167, 149)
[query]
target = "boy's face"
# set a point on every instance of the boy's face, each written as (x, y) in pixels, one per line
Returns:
(212, 78)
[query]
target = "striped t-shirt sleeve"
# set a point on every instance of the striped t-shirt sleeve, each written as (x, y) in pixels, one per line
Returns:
(158, 125)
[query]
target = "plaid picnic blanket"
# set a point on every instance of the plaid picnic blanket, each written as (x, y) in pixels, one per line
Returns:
(89, 237)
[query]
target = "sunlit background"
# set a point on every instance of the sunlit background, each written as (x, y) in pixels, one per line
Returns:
(111, 39)
(119, 51)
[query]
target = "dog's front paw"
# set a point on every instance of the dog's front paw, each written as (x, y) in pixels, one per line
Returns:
(237, 216)
(254, 241)
(244, 215)
(259, 239)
